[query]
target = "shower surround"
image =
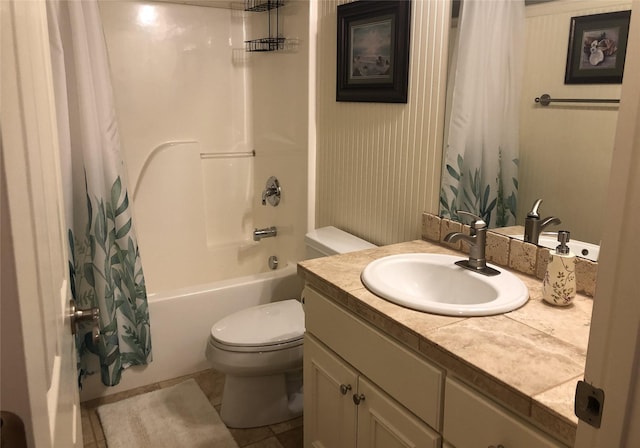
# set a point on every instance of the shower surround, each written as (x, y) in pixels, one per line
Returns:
(193, 107)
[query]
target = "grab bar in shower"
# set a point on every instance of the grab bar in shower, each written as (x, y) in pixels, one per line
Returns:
(227, 155)
(546, 99)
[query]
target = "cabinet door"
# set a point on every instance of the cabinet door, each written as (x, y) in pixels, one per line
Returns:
(471, 421)
(421, 387)
(329, 411)
(383, 423)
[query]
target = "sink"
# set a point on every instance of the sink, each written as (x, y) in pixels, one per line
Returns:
(579, 248)
(434, 284)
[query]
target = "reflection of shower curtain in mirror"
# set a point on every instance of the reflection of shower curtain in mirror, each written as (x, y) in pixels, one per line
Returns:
(104, 260)
(480, 169)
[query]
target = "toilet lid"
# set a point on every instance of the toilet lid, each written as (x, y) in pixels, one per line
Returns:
(263, 325)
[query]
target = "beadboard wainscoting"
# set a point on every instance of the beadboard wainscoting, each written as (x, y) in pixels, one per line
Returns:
(379, 165)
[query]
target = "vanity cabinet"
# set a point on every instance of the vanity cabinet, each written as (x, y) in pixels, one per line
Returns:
(345, 410)
(403, 399)
(471, 421)
(358, 403)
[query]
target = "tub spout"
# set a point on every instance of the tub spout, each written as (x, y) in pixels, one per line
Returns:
(267, 232)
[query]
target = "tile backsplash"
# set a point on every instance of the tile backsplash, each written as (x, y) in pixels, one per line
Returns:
(509, 252)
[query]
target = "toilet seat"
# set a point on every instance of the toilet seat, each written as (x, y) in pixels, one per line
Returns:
(274, 326)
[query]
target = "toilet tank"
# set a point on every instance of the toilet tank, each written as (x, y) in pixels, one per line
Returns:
(331, 241)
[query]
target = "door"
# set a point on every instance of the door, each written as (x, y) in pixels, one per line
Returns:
(329, 412)
(613, 357)
(383, 423)
(471, 420)
(36, 290)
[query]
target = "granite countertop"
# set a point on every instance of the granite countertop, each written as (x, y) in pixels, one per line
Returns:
(529, 360)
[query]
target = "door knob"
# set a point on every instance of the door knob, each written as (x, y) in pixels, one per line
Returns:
(77, 316)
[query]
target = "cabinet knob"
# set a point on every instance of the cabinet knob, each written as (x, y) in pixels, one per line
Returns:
(493, 446)
(345, 388)
(358, 398)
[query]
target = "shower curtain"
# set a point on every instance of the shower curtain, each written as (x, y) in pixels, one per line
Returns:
(104, 259)
(480, 169)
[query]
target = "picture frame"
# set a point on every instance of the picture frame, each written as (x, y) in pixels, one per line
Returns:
(373, 51)
(597, 48)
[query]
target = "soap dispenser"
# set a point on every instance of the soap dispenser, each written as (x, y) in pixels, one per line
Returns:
(559, 284)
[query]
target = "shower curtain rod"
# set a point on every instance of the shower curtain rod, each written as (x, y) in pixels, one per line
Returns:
(227, 155)
(545, 99)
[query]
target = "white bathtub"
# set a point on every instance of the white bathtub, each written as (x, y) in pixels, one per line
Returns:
(181, 321)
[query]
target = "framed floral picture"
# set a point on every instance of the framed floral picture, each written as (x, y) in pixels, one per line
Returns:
(373, 51)
(597, 48)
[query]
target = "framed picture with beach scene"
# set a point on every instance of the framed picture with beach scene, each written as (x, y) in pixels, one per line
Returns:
(597, 48)
(373, 51)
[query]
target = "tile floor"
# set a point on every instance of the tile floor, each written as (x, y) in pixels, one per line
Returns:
(283, 435)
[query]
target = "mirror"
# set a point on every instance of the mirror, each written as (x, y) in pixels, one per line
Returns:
(565, 148)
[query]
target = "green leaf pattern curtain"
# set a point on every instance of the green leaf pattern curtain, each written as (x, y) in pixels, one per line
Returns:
(104, 258)
(480, 169)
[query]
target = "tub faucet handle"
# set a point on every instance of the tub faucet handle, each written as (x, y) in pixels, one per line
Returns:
(271, 192)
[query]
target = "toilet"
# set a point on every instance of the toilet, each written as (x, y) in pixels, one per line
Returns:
(259, 349)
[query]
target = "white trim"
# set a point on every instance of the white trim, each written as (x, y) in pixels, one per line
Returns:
(312, 136)
(615, 326)
(34, 206)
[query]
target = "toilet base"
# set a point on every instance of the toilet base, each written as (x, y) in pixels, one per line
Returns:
(248, 401)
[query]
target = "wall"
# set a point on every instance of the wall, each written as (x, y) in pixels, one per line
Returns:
(379, 165)
(566, 149)
(180, 73)
(280, 123)
(176, 77)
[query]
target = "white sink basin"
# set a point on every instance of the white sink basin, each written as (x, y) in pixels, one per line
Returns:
(434, 284)
(579, 248)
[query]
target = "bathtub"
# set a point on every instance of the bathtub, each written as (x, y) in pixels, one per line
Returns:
(181, 321)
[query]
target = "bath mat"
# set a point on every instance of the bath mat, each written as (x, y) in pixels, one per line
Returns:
(178, 416)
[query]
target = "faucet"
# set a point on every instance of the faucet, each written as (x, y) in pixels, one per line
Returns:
(271, 192)
(267, 232)
(533, 225)
(267, 193)
(477, 261)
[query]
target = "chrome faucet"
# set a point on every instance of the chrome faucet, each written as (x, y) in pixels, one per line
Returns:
(271, 192)
(267, 232)
(477, 261)
(533, 225)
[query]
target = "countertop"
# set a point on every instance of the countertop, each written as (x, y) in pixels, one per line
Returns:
(529, 360)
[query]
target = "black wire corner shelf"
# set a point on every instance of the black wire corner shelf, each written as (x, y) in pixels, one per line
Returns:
(262, 5)
(271, 42)
(265, 44)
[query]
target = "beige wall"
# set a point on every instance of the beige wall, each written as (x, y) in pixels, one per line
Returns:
(378, 165)
(565, 152)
